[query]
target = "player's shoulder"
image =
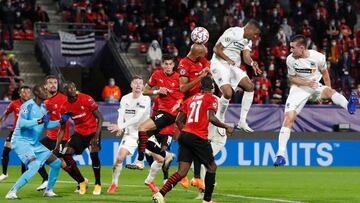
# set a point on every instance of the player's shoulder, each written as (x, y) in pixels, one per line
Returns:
(15, 102)
(290, 58)
(316, 55)
(28, 104)
(84, 96)
(145, 98)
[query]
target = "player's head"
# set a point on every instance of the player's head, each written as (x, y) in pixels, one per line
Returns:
(137, 84)
(70, 89)
(206, 84)
(25, 92)
(168, 63)
(40, 92)
(252, 29)
(298, 45)
(198, 51)
(52, 84)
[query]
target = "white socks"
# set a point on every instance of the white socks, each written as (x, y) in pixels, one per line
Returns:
(155, 168)
(340, 100)
(223, 105)
(116, 173)
(245, 105)
(284, 136)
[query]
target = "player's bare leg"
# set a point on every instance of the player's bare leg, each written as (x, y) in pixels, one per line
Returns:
(122, 153)
(246, 102)
(284, 136)
(146, 126)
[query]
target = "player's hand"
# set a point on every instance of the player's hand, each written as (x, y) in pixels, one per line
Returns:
(44, 120)
(204, 72)
(94, 144)
(176, 137)
(65, 117)
(56, 150)
(113, 128)
(313, 84)
(163, 90)
(229, 130)
(230, 62)
(256, 68)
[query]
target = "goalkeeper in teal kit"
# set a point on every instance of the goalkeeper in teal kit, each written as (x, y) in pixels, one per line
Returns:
(32, 121)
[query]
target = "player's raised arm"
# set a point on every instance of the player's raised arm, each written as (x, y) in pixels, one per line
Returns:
(219, 51)
(180, 120)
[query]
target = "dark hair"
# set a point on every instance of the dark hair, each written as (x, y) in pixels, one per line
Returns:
(300, 39)
(206, 83)
(37, 87)
(51, 77)
(67, 83)
(166, 57)
(136, 77)
(254, 23)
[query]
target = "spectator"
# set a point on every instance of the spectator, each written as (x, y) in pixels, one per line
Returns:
(346, 80)
(350, 16)
(41, 15)
(121, 30)
(14, 64)
(332, 30)
(15, 94)
(144, 32)
(111, 92)
(8, 12)
(154, 53)
(287, 29)
(5, 66)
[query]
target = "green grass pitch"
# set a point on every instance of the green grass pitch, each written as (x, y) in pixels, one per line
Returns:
(234, 184)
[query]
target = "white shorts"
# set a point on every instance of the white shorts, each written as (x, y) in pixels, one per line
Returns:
(130, 143)
(216, 140)
(298, 96)
(216, 147)
(224, 74)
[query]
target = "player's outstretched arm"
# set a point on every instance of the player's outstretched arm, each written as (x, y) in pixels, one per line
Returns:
(326, 77)
(215, 121)
(24, 121)
(59, 138)
(3, 117)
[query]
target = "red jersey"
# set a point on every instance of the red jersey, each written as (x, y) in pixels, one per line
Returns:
(14, 106)
(190, 69)
(82, 114)
(170, 82)
(54, 105)
(195, 108)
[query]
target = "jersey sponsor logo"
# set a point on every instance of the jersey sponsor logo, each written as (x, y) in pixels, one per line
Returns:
(159, 116)
(141, 106)
(239, 45)
(130, 111)
(302, 70)
(78, 116)
(82, 107)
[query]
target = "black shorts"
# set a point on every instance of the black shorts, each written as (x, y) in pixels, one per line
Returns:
(51, 144)
(164, 140)
(163, 119)
(8, 138)
(192, 146)
(79, 142)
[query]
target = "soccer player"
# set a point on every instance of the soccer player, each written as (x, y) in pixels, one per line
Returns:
(167, 81)
(53, 104)
(32, 121)
(192, 69)
(305, 70)
(225, 68)
(134, 109)
(87, 126)
(193, 120)
(14, 106)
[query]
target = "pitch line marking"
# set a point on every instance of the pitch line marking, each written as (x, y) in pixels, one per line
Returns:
(220, 194)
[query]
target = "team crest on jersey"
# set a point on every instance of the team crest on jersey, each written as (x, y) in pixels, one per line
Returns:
(182, 71)
(227, 39)
(173, 84)
(55, 106)
(25, 111)
(161, 81)
(215, 104)
(82, 107)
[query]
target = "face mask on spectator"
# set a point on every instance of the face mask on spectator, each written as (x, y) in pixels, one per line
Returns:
(332, 23)
(8, 3)
(275, 13)
(89, 10)
(192, 12)
(121, 20)
(333, 43)
(187, 42)
(257, 86)
(198, 4)
(348, 8)
(271, 67)
(143, 23)
(160, 33)
(171, 23)
(18, 14)
(285, 21)
(298, 4)
(112, 83)
(317, 14)
(341, 36)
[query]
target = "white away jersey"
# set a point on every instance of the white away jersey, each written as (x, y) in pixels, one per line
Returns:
(132, 112)
(234, 42)
(307, 68)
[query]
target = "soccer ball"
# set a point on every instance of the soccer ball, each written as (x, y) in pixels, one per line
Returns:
(200, 35)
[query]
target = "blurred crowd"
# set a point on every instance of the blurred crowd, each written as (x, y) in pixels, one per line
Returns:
(165, 26)
(17, 20)
(9, 75)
